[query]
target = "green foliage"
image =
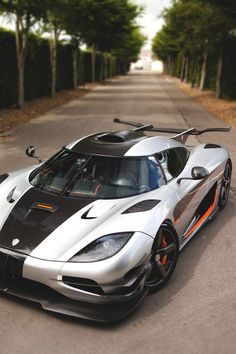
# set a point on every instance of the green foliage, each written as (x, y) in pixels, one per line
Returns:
(38, 72)
(105, 22)
(230, 69)
(8, 69)
(130, 47)
(108, 26)
(190, 27)
(85, 74)
(28, 10)
(194, 28)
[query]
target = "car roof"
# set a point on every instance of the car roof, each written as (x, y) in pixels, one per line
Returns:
(123, 143)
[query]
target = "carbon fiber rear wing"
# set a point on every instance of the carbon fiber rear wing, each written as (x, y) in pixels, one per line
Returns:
(181, 135)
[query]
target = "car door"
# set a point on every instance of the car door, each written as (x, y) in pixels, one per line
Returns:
(189, 192)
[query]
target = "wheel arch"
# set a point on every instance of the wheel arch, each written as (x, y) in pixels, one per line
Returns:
(168, 223)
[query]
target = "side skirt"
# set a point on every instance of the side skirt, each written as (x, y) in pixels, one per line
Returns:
(206, 211)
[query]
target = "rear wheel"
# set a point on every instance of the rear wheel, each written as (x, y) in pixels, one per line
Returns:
(225, 185)
(164, 257)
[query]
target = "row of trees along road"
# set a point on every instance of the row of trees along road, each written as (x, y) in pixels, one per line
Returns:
(107, 26)
(194, 32)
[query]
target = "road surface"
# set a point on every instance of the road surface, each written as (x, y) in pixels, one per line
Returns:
(196, 311)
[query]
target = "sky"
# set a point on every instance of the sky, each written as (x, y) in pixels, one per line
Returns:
(150, 21)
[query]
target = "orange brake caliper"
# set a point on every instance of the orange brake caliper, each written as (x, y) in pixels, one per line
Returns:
(163, 245)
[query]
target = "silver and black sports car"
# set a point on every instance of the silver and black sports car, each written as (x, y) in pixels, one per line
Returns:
(91, 231)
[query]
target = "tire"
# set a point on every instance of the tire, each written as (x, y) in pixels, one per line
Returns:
(225, 185)
(164, 256)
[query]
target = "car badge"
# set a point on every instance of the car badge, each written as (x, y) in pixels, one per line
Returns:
(15, 241)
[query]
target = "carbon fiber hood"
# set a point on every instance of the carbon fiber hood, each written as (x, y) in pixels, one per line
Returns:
(54, 228)
(34, 217)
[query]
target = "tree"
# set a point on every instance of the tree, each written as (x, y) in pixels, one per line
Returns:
(25, 14)
(54, 23)
(226, 22)
(193, 29)
(74, 23)
(105, 22)
(129, 48)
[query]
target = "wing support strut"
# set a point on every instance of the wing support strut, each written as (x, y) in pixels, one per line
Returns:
(181, 135)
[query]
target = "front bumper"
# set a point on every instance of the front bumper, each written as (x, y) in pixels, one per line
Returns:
(52, 301)
(114, 286)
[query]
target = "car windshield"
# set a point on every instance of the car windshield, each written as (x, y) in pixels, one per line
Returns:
(100, 177)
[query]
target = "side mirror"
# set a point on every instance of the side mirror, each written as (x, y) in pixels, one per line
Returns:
(30, 151)
(197, 173)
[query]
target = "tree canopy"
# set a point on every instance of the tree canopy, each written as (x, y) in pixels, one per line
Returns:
(194, 29)
(107, 26)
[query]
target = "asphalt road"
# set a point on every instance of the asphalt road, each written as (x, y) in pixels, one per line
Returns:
(196, 311)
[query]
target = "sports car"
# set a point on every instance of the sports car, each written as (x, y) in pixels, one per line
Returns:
(92, 230)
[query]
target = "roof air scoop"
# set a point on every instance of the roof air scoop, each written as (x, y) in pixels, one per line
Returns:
(111, 138)
(119, 137)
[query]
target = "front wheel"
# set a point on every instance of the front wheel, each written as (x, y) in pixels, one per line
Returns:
(164, 257)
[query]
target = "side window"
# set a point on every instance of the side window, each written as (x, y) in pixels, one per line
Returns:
(173, 161)
(155, 174)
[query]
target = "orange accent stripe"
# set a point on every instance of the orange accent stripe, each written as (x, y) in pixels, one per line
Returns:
(176, 222)
(44, 206)
(204, 217)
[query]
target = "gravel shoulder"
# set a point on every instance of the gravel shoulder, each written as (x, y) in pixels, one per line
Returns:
(11, 117)
(224, 109)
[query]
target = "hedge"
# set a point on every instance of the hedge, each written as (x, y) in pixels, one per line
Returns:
(37, 68)
(194, 73)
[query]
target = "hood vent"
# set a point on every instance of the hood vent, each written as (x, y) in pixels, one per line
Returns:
(145, 205)
(85, 215)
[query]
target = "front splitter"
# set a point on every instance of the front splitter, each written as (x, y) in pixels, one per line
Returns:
(50, 300)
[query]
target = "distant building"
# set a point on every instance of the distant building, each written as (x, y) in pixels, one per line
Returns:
(146, 62)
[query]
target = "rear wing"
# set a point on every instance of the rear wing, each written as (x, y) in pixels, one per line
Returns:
(180, 134)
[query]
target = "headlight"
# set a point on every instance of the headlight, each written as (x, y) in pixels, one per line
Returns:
(102, 248)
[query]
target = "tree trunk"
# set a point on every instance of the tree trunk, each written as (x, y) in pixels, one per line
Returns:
(105, 67)
(165, 67)
(219, 77)
(53, 59)
(94, 54)
(113, 67)
(204, 71)
(183, 69)
(101, 78)
(118, 68)
(111, 74)
(21, 81)
(186, 69)
(21, 36)
(169, 66)
(75, 66)
(194, 75)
